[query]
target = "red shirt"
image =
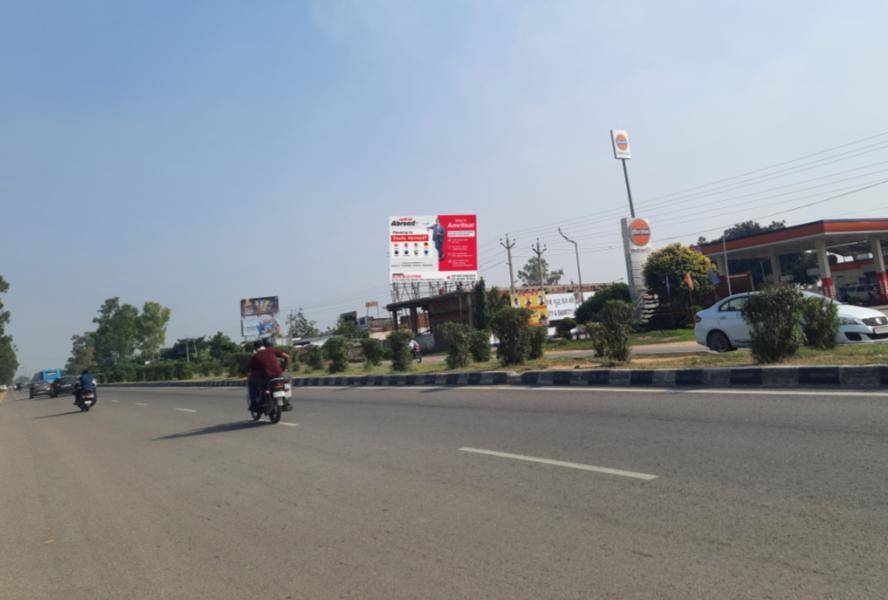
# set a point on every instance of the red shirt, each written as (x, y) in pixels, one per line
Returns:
(265, 363)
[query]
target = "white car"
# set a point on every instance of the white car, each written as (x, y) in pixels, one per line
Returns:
(721, 327)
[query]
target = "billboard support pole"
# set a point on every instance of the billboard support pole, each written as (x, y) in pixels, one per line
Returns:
(579, 274)
(628, 189)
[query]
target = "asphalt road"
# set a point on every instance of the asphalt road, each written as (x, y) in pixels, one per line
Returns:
(431, 493)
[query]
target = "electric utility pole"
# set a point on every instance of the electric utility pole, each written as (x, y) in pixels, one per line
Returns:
(579, 274)
(539, 254)
(508, 245)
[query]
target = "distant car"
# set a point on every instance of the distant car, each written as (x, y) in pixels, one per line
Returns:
(39, 388)
(63, 385)
(3, 387)
(721, 327)
(18, 387)
(862, 293)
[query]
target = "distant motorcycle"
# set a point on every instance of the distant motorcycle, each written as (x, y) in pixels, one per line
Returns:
(273, 399)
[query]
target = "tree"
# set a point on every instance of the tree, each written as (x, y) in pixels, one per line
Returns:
(530, 273)
(8, 361)
(480, 310)
(774, 316)
(510, 325)
(745, 229)
(222, 346)
(671, 264)
(187, 348)
(152, 329)
(117, 332)
(496, 300)
(83, 352)
(298, 326)
(588, 310)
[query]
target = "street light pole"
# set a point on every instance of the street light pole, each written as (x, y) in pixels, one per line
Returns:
(579, 274)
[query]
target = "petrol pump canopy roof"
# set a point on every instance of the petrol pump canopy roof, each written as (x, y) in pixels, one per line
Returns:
(847, 237)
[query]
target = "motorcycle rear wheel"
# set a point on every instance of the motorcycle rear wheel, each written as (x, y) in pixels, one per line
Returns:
(274, 415)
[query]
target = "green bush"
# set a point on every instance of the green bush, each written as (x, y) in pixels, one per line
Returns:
(372, 351)
(596, 334)
(455, 337)
(238, 364)
(537, 337)
(588, 310)
(564, 327)
(510, 325)
(313, 357)
(616, 319)
(399, 346)
(184, 370)
(479, 345)
(336, 351)
(820, 322)
(775, 322)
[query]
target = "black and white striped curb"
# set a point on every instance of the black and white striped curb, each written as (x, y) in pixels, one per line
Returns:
(766, 377)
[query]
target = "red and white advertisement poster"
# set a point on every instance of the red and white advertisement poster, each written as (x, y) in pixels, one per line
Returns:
(433, 247)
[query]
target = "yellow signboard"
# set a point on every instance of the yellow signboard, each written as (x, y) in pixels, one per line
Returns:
(534, 301)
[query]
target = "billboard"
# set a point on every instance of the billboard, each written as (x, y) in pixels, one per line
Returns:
(637, 248)
(620, 141)
(433, 248)
(534, 301)
(253, 307)
(563, 306)
(259, 317)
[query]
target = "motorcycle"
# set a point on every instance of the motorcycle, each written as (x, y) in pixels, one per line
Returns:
(86, 399)
(275, 397)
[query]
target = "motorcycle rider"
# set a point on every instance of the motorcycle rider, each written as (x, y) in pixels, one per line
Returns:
(265, 366)
(86, 381)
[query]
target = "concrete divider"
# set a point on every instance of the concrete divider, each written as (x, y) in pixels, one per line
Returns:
(868, 376)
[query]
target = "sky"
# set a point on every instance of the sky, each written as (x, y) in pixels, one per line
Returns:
(198, 153)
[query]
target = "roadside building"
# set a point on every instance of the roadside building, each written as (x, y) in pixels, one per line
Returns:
(841, 253)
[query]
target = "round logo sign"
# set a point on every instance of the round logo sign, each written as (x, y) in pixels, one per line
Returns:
(622, 142)
(639, 232)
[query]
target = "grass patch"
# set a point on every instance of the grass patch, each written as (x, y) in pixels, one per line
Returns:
(642, 338)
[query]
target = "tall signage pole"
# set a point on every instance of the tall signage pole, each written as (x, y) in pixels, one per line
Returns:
(636, 232)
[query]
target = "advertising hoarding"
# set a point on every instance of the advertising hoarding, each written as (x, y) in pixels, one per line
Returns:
(259, 317)
(534, 301)
(433, 248)
(563, 306)
(252, 307)
(620, 141)
(637, 248)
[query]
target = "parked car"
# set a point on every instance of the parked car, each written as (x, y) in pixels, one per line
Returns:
(63, 385)
(862, 293)
(721, 327)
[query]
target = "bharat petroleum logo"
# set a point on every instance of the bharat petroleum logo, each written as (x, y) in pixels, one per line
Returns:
(622, 142)
(639, 232)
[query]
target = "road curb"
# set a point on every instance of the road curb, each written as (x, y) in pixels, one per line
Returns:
(868, 376)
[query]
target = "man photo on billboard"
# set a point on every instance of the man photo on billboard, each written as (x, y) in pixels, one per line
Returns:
(438, 236)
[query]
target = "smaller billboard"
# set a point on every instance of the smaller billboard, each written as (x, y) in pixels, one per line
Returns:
(533, 300)
(620, 141)
(563, 306)
(252, 307)
(260, 326)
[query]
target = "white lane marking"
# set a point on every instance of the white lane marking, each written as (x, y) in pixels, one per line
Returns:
(188, 410)
(288, 424)
(141, 404)
(561, 463)
(115, 401)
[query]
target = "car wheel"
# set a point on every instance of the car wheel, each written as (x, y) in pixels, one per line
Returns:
(718, 342)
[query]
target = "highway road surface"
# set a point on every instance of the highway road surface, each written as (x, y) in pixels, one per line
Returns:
(446, 494)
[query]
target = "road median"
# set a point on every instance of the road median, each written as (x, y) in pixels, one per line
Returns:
(852, 376)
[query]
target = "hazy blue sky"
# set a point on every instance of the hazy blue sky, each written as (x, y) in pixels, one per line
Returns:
(195, 153)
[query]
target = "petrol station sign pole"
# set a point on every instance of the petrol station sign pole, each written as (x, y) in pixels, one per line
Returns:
(636, 232)
(622, 152)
